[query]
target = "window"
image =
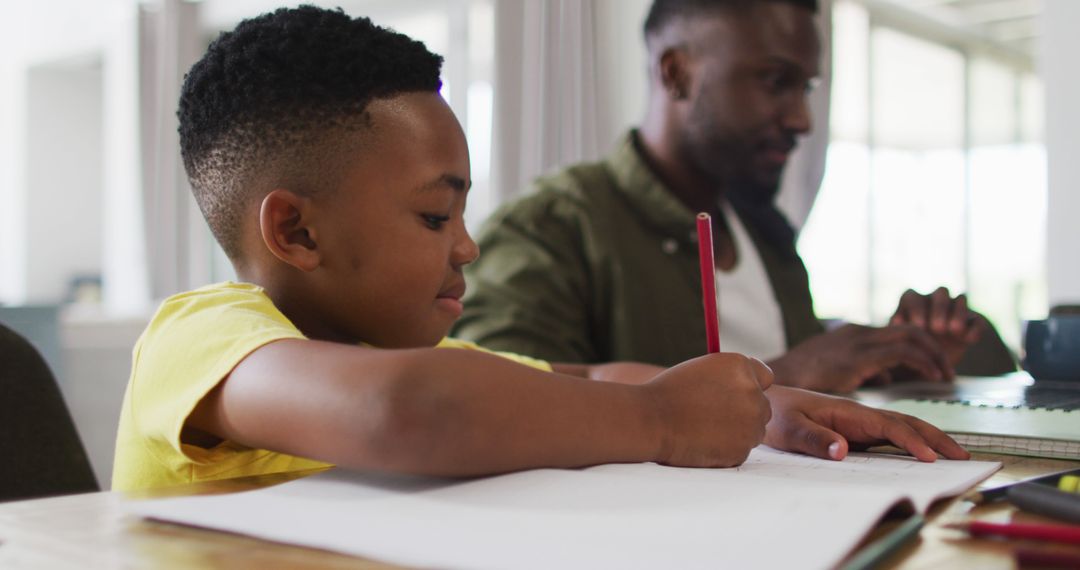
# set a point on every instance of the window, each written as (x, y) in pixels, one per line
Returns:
(92, 86)
(935, 175)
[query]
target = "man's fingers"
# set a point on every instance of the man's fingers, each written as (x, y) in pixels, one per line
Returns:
(959, 317)
(907, 346)
(975, 327)
(933, 350)
(886, 357)
(911, 309)
(940, 302)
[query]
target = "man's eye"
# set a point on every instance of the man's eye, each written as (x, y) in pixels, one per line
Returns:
(775, 81)
(433, 221)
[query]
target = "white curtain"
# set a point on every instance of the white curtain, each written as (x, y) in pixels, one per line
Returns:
(546, 103)
(178, 249)
(551, 108)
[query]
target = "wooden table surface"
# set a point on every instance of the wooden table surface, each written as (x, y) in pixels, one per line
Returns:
(92, 531)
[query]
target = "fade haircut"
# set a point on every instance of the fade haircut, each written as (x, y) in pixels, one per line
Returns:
(664, 11)
(269, 102)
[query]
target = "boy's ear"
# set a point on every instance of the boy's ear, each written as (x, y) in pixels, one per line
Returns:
(284, 224)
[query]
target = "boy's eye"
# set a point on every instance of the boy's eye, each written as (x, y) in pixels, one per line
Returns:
(434, 222)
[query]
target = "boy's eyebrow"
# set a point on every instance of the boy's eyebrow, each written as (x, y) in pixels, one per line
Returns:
(455, 182)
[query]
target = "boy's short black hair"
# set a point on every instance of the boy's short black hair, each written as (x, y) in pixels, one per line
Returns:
(257, 109)
(663, 11)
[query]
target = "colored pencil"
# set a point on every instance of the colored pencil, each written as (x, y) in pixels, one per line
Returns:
(876, 552)
(1027, 558)
(998, 493)
(1048, 532)
(1045, 500)
(707, 258)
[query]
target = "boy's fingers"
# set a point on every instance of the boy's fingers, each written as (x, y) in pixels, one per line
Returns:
(762, 373)
(905, 437)
(938, 440)
(816, 440)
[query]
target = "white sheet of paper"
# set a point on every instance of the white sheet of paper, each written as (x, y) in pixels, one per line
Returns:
(777, 510)
(923, 483)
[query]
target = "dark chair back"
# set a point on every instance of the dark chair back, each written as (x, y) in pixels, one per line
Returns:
(41, 451)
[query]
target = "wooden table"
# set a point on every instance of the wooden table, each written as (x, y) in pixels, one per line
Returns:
(92, 531)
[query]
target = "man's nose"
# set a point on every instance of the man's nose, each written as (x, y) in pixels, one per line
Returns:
(796, 118)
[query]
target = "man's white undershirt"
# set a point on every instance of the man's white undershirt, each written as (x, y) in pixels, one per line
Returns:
(750, 319)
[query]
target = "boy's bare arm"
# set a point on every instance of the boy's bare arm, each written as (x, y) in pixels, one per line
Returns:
(459, 413)
(621, 372)
(812, 423)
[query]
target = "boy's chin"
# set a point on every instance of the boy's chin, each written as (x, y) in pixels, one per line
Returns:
(434, 337)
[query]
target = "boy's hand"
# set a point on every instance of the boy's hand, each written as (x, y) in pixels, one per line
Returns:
(712, 410)
(826, 427)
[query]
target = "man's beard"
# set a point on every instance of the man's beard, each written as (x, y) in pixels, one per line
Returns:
(728, 168)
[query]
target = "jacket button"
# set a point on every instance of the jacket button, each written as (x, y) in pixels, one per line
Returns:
(669, 246)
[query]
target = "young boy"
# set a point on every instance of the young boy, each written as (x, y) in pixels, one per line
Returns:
(335, 177)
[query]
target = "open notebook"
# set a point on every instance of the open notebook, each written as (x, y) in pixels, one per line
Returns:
(998, 428)
(1012, 414)
(776, 510)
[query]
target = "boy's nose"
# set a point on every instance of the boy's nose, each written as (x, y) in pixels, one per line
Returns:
(465, 251)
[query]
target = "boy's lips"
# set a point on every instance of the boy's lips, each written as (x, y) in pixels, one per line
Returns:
(449, 299)
(455, 291)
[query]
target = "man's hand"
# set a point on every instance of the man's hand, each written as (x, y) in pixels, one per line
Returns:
(711, 410)
(843, 359)
(947, 318)
(827, 427)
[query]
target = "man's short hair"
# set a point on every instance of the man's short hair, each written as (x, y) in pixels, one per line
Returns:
(663, 11)
(257, 108)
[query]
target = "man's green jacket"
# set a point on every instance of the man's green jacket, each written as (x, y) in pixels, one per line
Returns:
(599, 263)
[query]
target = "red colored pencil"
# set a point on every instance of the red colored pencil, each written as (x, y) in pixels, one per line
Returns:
(1048, 532)
(706, 256)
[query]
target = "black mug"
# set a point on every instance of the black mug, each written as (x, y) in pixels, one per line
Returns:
(1052, 347)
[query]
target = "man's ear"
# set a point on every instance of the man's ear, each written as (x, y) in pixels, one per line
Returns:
(284, 222)
(675, 73)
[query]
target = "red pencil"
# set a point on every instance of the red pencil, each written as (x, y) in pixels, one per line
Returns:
(708, 281)
(1049, 532)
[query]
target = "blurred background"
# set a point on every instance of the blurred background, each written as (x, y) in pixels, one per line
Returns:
(942, 153)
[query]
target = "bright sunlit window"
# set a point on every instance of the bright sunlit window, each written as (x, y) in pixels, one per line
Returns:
(935, 175)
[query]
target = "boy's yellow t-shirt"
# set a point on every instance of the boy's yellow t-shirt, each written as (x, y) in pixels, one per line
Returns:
(193, 341)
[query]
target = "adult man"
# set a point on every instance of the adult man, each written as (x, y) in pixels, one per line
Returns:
(600, 262)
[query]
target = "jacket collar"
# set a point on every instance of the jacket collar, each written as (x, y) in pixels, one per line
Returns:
(651, 200)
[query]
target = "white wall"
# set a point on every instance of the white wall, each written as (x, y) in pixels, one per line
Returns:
(63, 233)
(1060, 44)
(97, 363)
(622, 67)
(33, 34)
